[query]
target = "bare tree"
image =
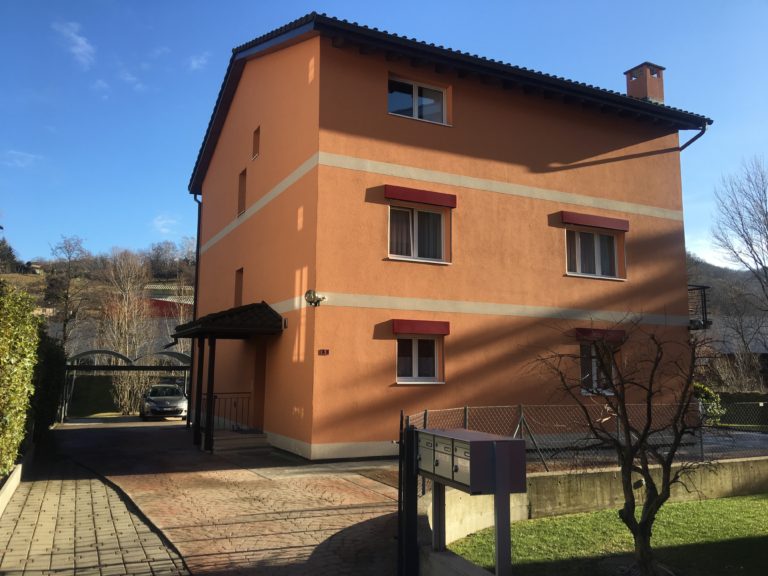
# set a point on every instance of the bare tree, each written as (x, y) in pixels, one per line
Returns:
(741, 225)
(125, 323)
(66, 285)
(743, 330)
(181, 299)
(639, 402)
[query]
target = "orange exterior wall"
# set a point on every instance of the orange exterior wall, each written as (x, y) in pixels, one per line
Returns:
(504, 249)
(275, 247)
(328, 230)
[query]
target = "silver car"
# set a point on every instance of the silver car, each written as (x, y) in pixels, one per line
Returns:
(163, 400)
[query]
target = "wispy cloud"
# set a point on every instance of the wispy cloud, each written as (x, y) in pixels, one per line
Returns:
(159, 51)
(102, 88)
(78, 45)
(197, 62)
(17, 159)
(164, 224)
(132, 81)
(154, 55)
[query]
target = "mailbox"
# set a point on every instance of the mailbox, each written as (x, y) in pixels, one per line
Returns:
(468, 460)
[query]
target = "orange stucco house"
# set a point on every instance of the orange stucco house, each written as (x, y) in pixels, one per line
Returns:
(386, 224)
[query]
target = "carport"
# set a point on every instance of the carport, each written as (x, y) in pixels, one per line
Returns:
(240, 323)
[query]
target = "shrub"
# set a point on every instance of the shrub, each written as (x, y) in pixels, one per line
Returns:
(48, 381)
(18, 345)
(711, 407)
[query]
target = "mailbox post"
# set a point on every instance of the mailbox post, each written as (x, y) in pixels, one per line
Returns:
(476, 463)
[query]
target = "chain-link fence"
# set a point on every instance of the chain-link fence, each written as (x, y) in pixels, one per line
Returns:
(559, 437)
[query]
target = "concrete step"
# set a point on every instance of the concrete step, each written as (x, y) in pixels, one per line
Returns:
(225, 441)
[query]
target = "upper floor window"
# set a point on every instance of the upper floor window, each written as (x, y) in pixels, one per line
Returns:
(416, 101)
(420, 231)
(594, 245)
(415, 233)
(591, 253)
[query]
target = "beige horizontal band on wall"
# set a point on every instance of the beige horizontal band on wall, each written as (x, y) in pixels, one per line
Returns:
(484, 308)
(436, 177)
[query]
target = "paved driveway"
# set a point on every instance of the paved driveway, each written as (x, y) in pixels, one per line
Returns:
(258, 512)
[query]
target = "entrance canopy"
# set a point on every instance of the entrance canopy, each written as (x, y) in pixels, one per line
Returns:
(240, 323)
(236, 323)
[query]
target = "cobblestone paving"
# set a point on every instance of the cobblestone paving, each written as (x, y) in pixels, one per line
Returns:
(253, 513)
(65, 520)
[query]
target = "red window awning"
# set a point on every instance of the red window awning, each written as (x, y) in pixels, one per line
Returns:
(419, 196)
(431, 327)
(592, 221)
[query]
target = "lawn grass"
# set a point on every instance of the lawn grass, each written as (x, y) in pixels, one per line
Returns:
(702, 538)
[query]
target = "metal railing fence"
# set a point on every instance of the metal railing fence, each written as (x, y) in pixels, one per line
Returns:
(231, 411)
(559, 437)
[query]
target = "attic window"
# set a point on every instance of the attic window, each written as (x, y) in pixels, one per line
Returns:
(405, 98)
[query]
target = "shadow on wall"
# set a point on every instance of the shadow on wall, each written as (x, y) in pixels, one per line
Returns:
(499, 375)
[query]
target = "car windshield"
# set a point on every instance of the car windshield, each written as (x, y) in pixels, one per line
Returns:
(156, 391)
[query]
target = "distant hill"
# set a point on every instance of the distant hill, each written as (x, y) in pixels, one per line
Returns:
(723, 282)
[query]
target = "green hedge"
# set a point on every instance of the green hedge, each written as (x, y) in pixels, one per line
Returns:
(18, 347)
(49, 382)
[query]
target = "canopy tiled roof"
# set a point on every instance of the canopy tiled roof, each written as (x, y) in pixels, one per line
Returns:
(239, 323)
(370, 40)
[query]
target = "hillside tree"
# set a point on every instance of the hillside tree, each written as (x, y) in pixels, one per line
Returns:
(125, 323)
(67, 285)
(741, 222)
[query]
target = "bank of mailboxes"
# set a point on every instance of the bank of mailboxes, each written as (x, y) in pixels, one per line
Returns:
(467, 460)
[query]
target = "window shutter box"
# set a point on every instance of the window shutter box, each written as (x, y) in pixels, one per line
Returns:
(419, 196)
(577, 219)
(599, 334)
(421, 327)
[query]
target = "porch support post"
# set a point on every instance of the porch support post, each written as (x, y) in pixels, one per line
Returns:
(197, 437)
(209, 405)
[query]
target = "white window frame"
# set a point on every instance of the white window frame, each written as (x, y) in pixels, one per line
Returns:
(596, 247)
(414, 338)
(415, 234)
(596, 375)
(415, 99)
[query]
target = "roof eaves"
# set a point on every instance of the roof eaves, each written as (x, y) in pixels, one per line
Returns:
(411, 47)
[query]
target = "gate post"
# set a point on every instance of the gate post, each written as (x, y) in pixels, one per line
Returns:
(408, 546)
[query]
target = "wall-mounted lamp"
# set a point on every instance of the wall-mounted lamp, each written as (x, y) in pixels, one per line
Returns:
(313, 298)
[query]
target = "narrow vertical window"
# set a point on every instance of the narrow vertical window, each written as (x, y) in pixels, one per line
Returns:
(239, 287)
(400, 227)
(241, 193)
(256, 142)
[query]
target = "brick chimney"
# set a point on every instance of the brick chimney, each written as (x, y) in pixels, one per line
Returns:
(646, 82)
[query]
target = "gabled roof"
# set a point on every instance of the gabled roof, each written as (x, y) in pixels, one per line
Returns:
(370, 40)
(238, 323)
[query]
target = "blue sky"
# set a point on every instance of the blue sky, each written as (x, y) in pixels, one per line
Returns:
(104, 103)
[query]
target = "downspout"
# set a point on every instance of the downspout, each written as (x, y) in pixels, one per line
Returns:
(197, 254)
(692, 140)
(193, 348)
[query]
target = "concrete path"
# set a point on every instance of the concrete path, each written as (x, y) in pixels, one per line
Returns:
(65, 520)
(262, 512)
